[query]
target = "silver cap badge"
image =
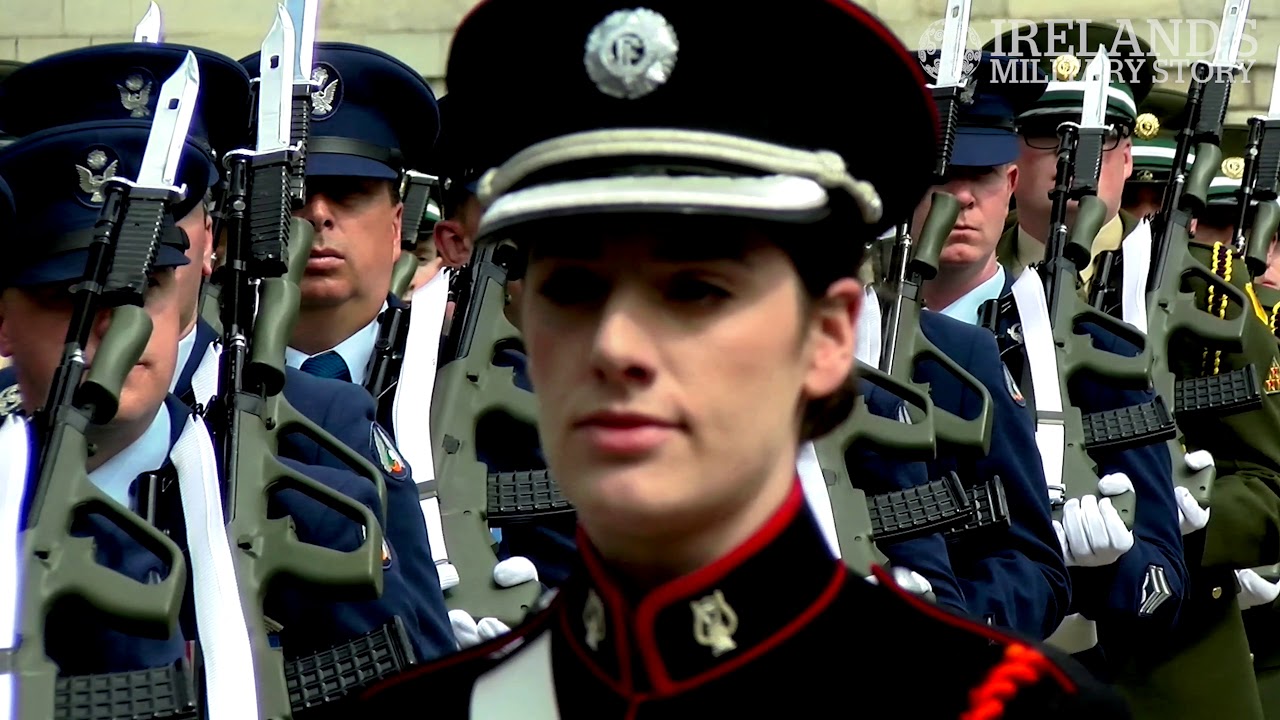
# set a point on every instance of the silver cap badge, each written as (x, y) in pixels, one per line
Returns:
(100, 169)
(631, 53)
(324, 96)
(135, 95)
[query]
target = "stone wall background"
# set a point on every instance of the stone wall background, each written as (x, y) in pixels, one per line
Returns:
(418, 31)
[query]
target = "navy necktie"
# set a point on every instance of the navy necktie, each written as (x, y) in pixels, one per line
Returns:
(327, 365)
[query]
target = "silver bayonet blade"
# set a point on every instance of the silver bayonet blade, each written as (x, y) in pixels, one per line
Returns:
(149, 28)
(275, 84)
(172, 122)
(954, 37)
(305, 15)
(1097, 85)
(1274, 110)
(1231, 32)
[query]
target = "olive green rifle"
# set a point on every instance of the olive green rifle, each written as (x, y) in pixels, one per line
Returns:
(267, 255)
(55, 566)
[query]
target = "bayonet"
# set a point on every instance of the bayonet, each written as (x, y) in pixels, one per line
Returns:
(149, 29)
(1231, 33)
(275, 86)
(951, 61)
(174, 111)
(948, 91)
(304, 14)
(1097, 85)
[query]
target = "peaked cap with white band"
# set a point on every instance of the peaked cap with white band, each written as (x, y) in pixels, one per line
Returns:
(1155, 137)
(748, 108)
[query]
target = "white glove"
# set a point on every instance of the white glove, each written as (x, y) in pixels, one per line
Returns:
(1255, 590)
(508, 573)
(1192, 517)
(909, 580)
(1091, 532)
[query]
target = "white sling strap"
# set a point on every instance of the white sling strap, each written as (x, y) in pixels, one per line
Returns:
(1076, 633)
(521, 688)
(15, 450)
(204, 381)
(1037, 333)
(1136, 251)
(224, 634)
(411, 410)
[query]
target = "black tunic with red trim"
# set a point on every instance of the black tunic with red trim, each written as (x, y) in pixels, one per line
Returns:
(775, 628)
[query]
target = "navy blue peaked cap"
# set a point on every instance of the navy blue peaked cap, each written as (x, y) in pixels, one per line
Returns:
(701, 66)
(122, 81)
(56, 178)
(371, 115)
(1002, 89)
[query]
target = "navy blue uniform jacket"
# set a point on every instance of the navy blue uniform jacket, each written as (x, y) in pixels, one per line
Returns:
(1017, 580)
(1114, 595)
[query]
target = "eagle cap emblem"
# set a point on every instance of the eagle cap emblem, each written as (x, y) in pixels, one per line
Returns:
(99, 166)
(631, 53)
(326, 89)
(1065, 67)
(135, 94)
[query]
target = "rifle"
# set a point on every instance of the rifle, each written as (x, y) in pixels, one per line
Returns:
(267, 252)
(418, 190)
(55, 565)
(1260, 182)
(1171, 310)
(472, 500)
(947, 505)
(1080, 155)
(862, 524)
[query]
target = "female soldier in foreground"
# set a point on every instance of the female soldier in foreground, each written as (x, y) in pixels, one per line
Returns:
(689, 320)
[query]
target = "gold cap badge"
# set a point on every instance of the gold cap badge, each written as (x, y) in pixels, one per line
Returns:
(1065, 67)
(1233, 167)
(1148, 126)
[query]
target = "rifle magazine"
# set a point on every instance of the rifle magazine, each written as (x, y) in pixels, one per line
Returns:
(166, 693)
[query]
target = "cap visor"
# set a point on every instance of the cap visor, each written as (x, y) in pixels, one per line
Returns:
(70, 267)
(333, 164)
(982, 147)
(780, 198)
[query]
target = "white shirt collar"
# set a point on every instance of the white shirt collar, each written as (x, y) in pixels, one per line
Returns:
(966, 307)
(355, 351)
(185, 346)
(149, 452)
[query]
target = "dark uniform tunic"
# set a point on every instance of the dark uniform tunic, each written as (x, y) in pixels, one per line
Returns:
(776, 626)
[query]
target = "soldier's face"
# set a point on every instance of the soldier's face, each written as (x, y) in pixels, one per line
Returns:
(33, 329)
(671, 368)
(1271, 278)
(1038, 170)
(983, 194)
(357, 241)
